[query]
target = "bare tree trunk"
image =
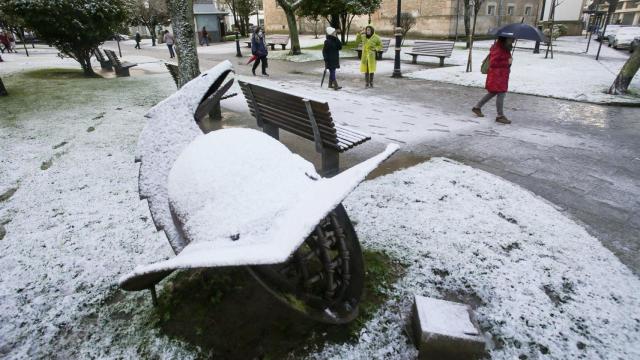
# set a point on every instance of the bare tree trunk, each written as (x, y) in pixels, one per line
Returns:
(85, 63)
(3, 90)
(629, 70)
(184, 30)
(293, 33)
(470, 39)
(467, 21)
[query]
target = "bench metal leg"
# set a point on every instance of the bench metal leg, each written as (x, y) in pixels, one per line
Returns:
(441, 61)
(330, 163)
(284, 47)
(273, 47)
(122, 72)
(216, 112)
(415, 59)
(359, 54)
(271, 130)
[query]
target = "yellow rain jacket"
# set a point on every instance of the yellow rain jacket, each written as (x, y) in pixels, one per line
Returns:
(369, 48)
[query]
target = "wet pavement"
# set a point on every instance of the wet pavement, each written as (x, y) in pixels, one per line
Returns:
(583, 158)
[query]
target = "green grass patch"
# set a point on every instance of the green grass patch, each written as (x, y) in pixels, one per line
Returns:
(225, 313)
(63, 94)
(55, 74)
(351, 45)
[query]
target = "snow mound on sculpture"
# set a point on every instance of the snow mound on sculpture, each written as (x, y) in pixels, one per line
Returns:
(242, 198)
(542, 286)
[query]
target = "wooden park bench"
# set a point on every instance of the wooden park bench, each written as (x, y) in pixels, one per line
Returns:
(309, 119)
(385, 47)
(104, 62)
(440, 49)
(122, 68)
(281, 40)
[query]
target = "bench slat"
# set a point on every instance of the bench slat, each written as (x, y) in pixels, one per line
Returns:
(268, 114)
(294, 105)
(350, 130)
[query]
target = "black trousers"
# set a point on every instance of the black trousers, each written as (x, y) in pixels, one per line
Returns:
(261, 60)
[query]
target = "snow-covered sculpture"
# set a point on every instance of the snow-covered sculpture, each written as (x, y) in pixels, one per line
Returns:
(237, 197)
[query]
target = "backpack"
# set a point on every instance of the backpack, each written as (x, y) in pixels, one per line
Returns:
(484, 68)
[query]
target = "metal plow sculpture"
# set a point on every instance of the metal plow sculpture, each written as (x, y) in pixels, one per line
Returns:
(237, 197)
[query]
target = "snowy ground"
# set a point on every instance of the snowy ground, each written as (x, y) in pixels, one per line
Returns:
(569, 75)
(541, 285)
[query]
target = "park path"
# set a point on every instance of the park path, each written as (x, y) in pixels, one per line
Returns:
(582, 157)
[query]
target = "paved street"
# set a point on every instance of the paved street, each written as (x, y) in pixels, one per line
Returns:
(584, 158)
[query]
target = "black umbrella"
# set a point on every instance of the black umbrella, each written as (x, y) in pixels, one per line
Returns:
(518, 31)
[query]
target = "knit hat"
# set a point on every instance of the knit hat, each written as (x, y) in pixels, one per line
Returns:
(331, 31)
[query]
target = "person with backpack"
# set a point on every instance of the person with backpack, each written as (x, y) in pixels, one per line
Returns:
(497, 66)
(259, 49)
(331, 55)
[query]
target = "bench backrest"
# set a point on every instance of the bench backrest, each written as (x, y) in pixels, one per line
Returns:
(438, 48)
(114, 59)
(385, 45)
(279, 39)
(98, 55)
(289, 112)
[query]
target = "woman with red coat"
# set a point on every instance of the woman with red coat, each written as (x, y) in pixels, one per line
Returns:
(497, 78)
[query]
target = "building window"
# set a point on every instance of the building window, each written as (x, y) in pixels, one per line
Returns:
(491, 9)
(511, 9)
(528, 10)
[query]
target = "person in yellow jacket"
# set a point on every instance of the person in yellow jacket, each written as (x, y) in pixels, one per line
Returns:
(371, 44)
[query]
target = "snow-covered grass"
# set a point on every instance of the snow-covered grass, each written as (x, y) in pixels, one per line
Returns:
(567, 76)
(539, 282)
(542, 286)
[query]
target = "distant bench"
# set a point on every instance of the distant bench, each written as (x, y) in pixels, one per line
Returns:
(439, 49)
(122, 68)
(385, 47)
(274, 110)
(104, 62)
(272, 41)
(281, 40)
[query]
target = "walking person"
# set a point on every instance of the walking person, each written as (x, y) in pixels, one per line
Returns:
(497, 82)
(331, 55)
(12, 42)
(259, 49)
(4, 40)
(205, 37)
(371, 44)
(169, 40)
(138, 39)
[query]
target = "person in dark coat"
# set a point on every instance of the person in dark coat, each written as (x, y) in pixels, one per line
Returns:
(331, 55)
(497, 82)
(205, 37)
(259, 49)
(138, 39)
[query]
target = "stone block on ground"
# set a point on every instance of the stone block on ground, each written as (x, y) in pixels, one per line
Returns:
(445, 330)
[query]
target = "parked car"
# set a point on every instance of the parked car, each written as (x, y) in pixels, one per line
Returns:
(610, 29)
(611, 33)
(625, 36)
(635, 45)
(120, 37)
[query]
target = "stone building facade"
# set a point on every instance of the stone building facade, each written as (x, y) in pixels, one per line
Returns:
(435, 18)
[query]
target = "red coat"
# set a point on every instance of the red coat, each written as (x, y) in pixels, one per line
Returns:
(499, 68)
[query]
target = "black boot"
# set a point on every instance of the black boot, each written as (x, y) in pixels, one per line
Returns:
(336, 86)
(366, 77)
(371, 80)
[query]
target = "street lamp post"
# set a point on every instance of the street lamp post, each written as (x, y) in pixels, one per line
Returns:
(397, 73)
